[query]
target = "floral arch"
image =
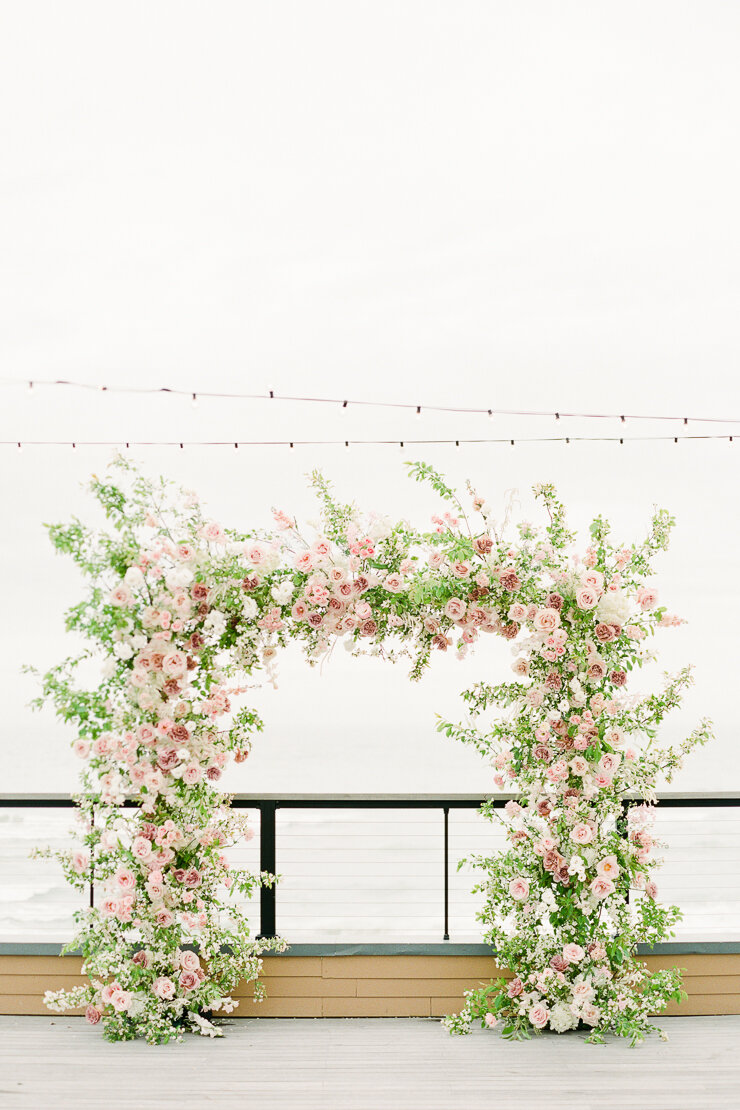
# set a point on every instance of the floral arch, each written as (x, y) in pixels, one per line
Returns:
(183, 610)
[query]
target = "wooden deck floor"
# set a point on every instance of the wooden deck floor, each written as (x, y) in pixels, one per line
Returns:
(367, 1064)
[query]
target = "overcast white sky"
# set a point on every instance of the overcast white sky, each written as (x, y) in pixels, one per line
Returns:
(485, 204)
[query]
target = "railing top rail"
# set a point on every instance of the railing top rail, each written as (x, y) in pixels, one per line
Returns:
(287, 799)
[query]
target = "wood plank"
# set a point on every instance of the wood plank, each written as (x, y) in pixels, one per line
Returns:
(303, 986)
(279, 1008)
(27, 1004)
(21, 965)
(422, 967)
(376, 1007)
(273, 966)
(412, 988)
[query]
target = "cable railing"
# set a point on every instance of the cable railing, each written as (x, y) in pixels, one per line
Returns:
(375, 868)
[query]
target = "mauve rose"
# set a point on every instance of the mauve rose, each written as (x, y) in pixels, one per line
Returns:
(510, 631)
(551, 860)
(314, 619)
(193, 878)
(168, 759)
(163, 918)
(455, 609)
(199, 591)
(544, 807)
(360, 584)
(618, 677)
(441, 642)
(213, 774)
(559, 963)
(368, 628)
(515, 988)
(554, 601)
(179, 874)
(93, 1015)
(509, 579)
(483, 544)
(180, 733)
(553, 681)
(604, 633)
(541, 751)
(596, 671)
(141, 958)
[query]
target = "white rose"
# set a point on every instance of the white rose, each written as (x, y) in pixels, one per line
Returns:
(178, 578)
(123, 651)
(249, 608)
(108, 668)
(614, 607)
(283, 592)
(134, 578)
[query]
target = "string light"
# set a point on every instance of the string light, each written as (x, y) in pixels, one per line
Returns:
(347, 443)
(418, 412)
(195, 400)
(344, 403)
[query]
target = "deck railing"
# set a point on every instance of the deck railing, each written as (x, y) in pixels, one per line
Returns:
(706, 856)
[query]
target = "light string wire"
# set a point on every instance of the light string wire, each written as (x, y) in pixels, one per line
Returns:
(345, 403)
(401, 443)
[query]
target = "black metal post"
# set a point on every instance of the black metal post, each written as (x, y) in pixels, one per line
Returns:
(268, 862)
(92, 861)
(447, 873)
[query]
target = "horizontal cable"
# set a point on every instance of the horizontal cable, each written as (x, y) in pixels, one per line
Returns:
(345, 403)
(401, 443)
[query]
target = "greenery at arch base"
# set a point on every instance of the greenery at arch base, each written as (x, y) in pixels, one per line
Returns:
(181, 613)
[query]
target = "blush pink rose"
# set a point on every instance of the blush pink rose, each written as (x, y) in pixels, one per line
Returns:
(586, 597)
(93, 1015)
(582, 833)
(120, 1001)
(188, 980)
(189, 961)
(602, 888)
(608, 868)
(80, 860)
(546, 620)
(647, 598)
(539, 1016)
(163, 987)
(573, 953)
(519, 889)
